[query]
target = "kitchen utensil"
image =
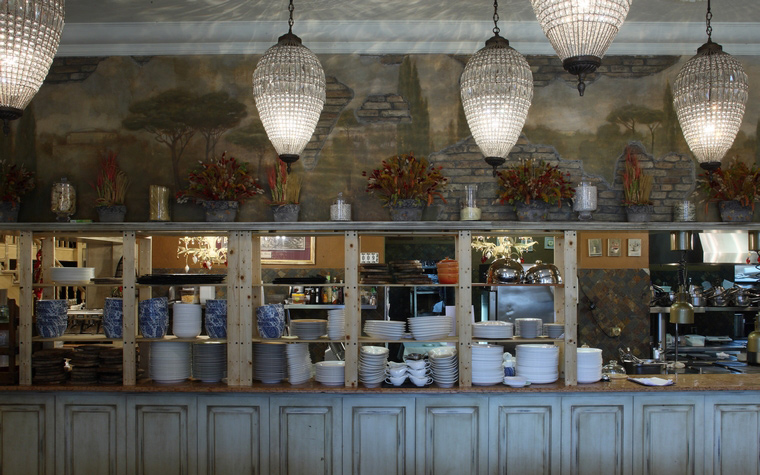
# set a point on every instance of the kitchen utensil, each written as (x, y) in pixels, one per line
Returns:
(542, 273)
(505, 271)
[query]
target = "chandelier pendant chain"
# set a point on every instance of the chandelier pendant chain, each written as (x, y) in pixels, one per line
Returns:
(496, 29)
(708, 17)
(290, 19)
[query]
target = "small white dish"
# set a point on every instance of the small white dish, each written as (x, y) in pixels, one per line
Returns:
(516, 381)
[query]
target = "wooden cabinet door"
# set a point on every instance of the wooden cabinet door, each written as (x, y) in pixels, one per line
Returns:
(27, 434)
(732, 434)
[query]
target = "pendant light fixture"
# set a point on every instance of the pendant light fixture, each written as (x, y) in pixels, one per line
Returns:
(580, 31)
(30, 31)
(289, 90)
(497, 89)
(709, 95)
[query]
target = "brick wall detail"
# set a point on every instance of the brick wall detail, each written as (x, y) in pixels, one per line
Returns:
(384, 109)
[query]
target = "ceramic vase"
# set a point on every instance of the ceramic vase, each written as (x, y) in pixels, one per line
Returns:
(734, 211)
(406, 210)
(639, 213)
(536, 210)
(286, 213)
(220, 211)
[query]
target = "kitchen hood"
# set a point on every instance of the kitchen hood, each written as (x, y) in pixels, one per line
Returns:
(724, 247)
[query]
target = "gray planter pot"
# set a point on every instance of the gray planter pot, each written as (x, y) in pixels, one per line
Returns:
(286, 213)
(639, 213)
(9, 211)
(406, 210)
(220, 211)
(536, 210)
(734, 211)
(111, 214)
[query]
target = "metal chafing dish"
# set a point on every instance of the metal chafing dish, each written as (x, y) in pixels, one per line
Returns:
(542, 273)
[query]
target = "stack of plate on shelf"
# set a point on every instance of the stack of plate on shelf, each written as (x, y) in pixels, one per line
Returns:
(493, 330)
(375, 274)
(409, 272)
(209, 361)
(187, 321)
(487, 365)
(331, 373)
(554, 330)
(528, 327)
(269, 365)
(384, 329)
(308, 328)
(372, 361)
(538, 363)
(589, 365)
(444, 366)
(433, 327)
(336, 324)
(299, 362)
(170, 361)
(71, 275)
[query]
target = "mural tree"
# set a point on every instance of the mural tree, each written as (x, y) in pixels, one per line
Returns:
(652, 119)
(414, 136)
(670, 125)
(254, 138)
(214, 114)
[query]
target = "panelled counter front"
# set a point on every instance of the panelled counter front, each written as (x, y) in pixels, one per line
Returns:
(700, 424)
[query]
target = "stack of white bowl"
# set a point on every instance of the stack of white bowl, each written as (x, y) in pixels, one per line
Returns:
(554, 330)
(538, 363)
(308, 328)
(331, 373)
(336, 323)
(432, 327)
(299, 362)
(444, 366)
(528, 327)
(493, 330)
(384, 329)
(209, 361)
(187, 321)
(372, 361)
(71, 275)
(269, 364)
(170, 361)
(487, 364)
(589, 365)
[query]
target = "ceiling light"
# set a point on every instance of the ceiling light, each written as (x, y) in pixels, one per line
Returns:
(497, 89)
(580, 31)
(289, 89)
(709, 95)
(30, 31)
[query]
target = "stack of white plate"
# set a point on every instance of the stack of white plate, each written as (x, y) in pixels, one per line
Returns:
(487, 364)
(493, 330)
(170, 361)
(209, 361)
(538, 363)
(372, 361)
(384, 329)
(331, 373)
(308, 328)
(299, 362)
(336, 324)
(589, 365)
(528, 327)
(554, 330)
(71, 275)
(269, 365)
(186, 320)
(444, 366)
(433, 327)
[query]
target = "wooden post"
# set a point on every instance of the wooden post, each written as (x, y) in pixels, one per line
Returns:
(26, 298)
(352, 301)
(129, 307)
(464, 307)
(569, 250)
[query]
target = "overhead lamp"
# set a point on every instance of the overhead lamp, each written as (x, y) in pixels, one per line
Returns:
(30, 32)
(496, 88)
(289, 90)
(709, 95)
(580, 31)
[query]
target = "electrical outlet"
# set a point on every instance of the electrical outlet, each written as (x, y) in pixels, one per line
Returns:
(369, 258)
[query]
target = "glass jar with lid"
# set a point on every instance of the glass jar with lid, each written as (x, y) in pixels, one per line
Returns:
(63, 200)
(613, 370)
(340, 210)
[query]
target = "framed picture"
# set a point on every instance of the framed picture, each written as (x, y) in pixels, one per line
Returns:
(613, 247)
(549, 242)
(595, 247)
(634, 247)
(287, 250)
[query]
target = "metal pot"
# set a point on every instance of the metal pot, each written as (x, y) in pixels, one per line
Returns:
(543, 274)
(698, 300)
(505, 271)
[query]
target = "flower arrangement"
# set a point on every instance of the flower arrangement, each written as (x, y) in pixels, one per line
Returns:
(636, 185)
(737, 182)
(220, 179)
(530, 181)
(285, 188)
(406, 177)
(15, 181)
(112, 182)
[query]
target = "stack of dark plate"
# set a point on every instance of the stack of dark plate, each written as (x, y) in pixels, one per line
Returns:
(84, 364)
(409, 272)
(374, 274)
(49, 365)
(110, 370)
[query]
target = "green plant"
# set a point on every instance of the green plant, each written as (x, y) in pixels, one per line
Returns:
(15, 181)
(404, 177)
(220, 179)
(112, 182)
(737, 182)
(529, 181)
(286, 188)
(636, 185)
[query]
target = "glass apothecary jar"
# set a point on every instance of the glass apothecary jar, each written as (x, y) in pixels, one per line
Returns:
(340, 210)
(470, 210)
(63, 200)
(584, 202)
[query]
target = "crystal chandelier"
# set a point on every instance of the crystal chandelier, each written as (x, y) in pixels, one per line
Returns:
(580, 31)
(709, 95)
(289, 90)
(30, 31)
(496, 88)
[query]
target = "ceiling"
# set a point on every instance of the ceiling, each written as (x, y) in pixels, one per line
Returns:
(150, 27)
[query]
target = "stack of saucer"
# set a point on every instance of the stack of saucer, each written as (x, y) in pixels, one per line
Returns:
(336, 324)
(444, 366)
(538, 363)
(331, 373)
(487, 365)
(308, 328)
(432, 327)
(554, 330)
(209, 361)
(384, 329)
(589, 365)
(372, 361)
(299, 362)
(493, 330)
(528, 327)
(269, 365)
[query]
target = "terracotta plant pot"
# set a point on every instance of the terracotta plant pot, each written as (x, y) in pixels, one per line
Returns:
(448, 271)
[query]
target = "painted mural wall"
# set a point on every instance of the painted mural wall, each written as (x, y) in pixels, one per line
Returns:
(163, 114)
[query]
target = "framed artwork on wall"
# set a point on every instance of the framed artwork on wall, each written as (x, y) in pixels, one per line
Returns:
(634, 247)
(549, 242)
(595, 247)
(613, 247)
(287, 250)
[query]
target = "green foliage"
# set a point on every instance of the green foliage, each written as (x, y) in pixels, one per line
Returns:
(15, 181)
(529, 181)
(220, 179)
(404, 177)
(735, 182)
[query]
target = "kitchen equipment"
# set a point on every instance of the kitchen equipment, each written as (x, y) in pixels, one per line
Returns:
(753, 344)
(613, 370)
(505, 271)
(543, 274)
(643, 367)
